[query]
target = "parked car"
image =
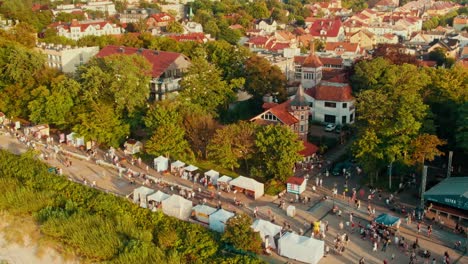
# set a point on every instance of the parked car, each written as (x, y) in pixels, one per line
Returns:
(338, 168)
(330, 127)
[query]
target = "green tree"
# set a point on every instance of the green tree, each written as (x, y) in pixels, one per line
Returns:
(199, 130)
(262, 78)
(461, 133)
(239, 234)
(175, 27)
(277, 149)
(425, 148)
(101, 123)
(203, 86)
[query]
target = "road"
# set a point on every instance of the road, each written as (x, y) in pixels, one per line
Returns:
(109, 180)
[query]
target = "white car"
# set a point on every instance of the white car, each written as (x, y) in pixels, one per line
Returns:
(330, 127)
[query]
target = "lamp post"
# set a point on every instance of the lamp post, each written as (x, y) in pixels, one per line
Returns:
(390, 175)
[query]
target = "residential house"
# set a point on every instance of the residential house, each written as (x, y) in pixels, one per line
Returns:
(386, 5)
(106, 7)
(353, 26)
(267, 25)
(463, 38)
(192, 27)
(135, 15)
(308, 70)
(71, 8)
(441, 8)
(364, 38)
(167, 68)
(386, 39)
(78, 29)
(66, 58)
(276, 43)
(6, 24)
(177, 8)
(460, 22)
(464, 53)
(425, 37)
(450, 46)
(327, 30)
(345, 50)
(159, 21)
(196, 37)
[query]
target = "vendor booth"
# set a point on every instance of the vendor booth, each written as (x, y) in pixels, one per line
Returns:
(132, 147)
(39, 131)
(74, 140)
(296, 185)
(248, 186)
(451, 192)
(212, 176)
(223, 182)
(388, 220)
(177, 206)
(189, 171)
(219, 219)
(267, 231)
(176, 167)
(161, 163)
(158, 197)
(140, 195)
(202, 213)
(302, 248)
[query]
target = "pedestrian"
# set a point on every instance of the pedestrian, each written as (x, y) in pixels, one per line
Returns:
(317, 181)
(327, 250)
(396, 239)
(393, 256)
(255, 212)
(385, 261)
(358, 204)
(384, 247)
(429, 230)
(361, 261)
(419, 227)
(434, 261)
(320, 182)
(351, 217)
(147, 168)
(341, 225)
(375, 246)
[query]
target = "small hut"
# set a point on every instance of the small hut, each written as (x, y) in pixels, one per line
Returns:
(296, 185)
(132, 147)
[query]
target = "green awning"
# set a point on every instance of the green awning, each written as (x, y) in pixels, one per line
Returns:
(451, 191)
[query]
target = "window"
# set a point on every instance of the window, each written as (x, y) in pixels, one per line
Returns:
(302, 128)
(308, 76)
(330, 119)
(311, 104)
(343, 120)
(330, 104)
(351, 117)
(345, 105)
(302, 117)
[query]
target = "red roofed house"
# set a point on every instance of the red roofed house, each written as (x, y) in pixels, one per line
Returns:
(293, 114)
(308, 70)
(345, 50)
(78, 29)
(168, 68)
(160, 20)
(327, 30)
(460, 22)
(296, 185)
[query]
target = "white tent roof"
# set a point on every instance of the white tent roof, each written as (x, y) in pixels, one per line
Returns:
(191, 168)
(177, 206)
(158, 196)
(141, 191)
(205, 209)
(302, 248)
(177, 164)
(212, 173)
(225, 179)
(248, 184)
(219, 219)
(161, 159)
(266, 228)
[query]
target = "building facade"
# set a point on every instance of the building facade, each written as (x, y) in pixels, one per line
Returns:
(66, 58)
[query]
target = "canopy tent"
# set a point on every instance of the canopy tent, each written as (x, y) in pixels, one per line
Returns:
(75, 140)
(224, 179)
(161, 163)
(132, 147)
(177, 164)
(252, 187)
(219, 219)
(387, 220)
(452, 191)
(214, 175)
(190, 168)
(302, 248)
(39, 131)
(177, 206)
(140, 195)
(267, 230)
(202, 213)
(158, 197)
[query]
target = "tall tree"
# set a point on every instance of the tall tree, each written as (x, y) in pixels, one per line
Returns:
(203, 86)
(425, 148)
(462, 127)
(278, 149)
(239, 234)
(199, 128)
(262, 78)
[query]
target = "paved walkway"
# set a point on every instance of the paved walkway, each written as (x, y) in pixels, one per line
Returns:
(108, 179)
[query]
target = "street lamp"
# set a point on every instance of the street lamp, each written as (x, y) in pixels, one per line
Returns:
(390, 175)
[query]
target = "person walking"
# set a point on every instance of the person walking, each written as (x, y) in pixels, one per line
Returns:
(361, 261)
(419, 227)
(384, 247)
(429, 230)
(374, 248)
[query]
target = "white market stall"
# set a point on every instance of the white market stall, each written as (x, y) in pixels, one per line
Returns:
(223, 182)
(177, 206)
(188, 171)
(219, 219)
(212, 176)
(248, 186)
(302, 248)
(267, 231)
(202, 213)
(158, 197)
(140, 195)
(132, 147)
(296, 185)
(75, 140)
(161, 163)
(39, 131)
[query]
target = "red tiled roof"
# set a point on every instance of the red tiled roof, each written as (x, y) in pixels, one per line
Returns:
(282, 113)
(160, 60)
(159, 17)
(309, 149)
(332, 91)
(267, 106)
(331, 61)
(330, 26)
(426, 63)
(260, 40)
(295, 180)
(312, 61)
(197, 37)
(236, 26)
(83, 25)
(347, 46)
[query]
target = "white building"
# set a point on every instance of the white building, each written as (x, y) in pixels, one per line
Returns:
(107, 7)
(66, 58)
(267, 25)
(192, 27)
(308, 70)
(78, 29)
